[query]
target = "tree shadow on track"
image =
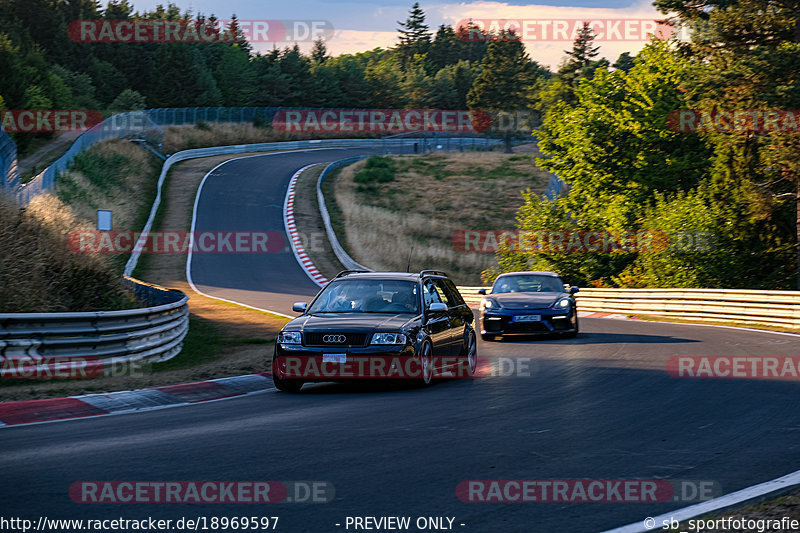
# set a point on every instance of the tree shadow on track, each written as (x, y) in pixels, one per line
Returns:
(596, 338)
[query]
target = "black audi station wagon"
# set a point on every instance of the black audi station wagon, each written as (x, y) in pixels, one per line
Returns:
(374, 325)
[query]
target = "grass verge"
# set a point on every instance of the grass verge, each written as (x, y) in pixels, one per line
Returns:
(384, 206)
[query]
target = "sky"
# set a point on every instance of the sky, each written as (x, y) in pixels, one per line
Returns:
(360, 26)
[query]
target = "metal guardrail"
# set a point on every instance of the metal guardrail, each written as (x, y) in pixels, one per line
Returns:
(131, 124)
(343, 257)
(103, 338)
(775, 308)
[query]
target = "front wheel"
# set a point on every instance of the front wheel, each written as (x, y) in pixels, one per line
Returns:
(426, 362)
(573, 334)
(470, 352)
(488, 337)
(287, 385)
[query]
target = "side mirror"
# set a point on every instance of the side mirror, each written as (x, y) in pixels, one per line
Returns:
(482, 291)
(573, 289)
(437, 307)
(299, 307)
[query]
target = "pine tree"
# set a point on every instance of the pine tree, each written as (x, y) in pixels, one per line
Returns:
(319, 52)
(581, 55)
(505, 78)
(444, 49)
(415, 38)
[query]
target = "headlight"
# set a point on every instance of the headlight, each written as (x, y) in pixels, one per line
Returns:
(563, 303)
(388, 338)
(289, 337)
(489, 304)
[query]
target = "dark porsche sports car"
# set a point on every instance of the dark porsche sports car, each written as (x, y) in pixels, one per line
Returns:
(528, 303)
(394, 325)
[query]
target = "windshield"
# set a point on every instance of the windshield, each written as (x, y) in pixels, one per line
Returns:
(368, 296)
(528, 283)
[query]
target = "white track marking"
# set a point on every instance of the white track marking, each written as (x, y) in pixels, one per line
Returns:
(194, 223)
(716, 504)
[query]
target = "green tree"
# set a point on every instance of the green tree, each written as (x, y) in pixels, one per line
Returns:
(614, 149)
(624, 62)
(235, 76)
(319, 52)
(750, 53)
(444, 50)
(384, 77)
(417, 88)
(505, 79)
(128, 100)
(415, 37)
(183, 77)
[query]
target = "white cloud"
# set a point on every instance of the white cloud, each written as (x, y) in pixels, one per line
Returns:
(548, 53)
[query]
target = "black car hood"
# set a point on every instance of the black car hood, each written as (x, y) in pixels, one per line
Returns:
(527, 300)
(351, 322)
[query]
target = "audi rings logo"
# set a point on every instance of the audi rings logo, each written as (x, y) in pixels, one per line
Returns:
(334, 339)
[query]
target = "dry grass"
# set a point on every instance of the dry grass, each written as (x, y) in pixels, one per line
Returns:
(38, 272)
(177, 138)
(116, 175)
(432, 197)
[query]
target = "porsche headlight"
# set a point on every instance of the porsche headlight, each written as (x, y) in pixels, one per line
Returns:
(289, 337)
(563, 303)
(489, 304)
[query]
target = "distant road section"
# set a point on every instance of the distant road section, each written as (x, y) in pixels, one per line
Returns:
(247, 194)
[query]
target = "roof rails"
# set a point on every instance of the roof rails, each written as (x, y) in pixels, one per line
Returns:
(432, 272)
(346, 272)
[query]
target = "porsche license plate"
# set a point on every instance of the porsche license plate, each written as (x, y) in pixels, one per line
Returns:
(528, 318)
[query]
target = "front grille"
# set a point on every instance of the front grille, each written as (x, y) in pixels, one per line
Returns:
(316, 338)
(526, 327)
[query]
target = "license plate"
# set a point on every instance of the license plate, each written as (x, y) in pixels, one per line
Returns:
(334, 357)
(528, 318)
